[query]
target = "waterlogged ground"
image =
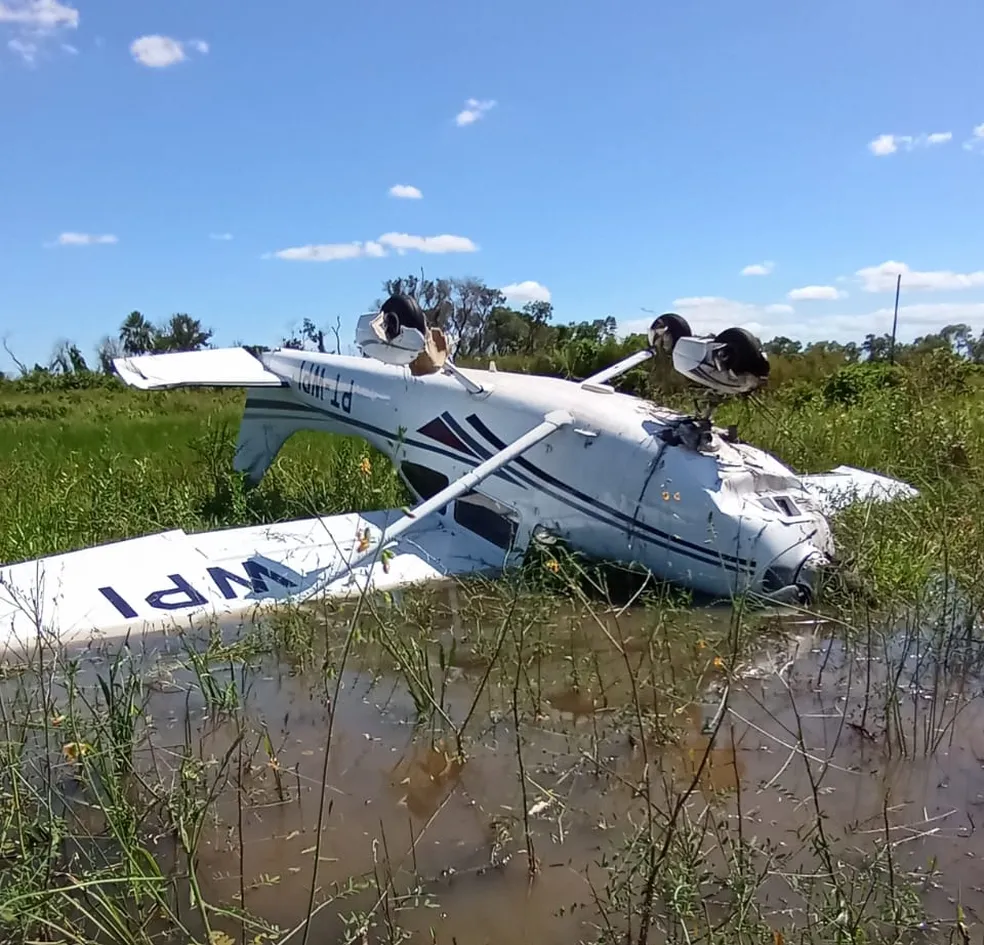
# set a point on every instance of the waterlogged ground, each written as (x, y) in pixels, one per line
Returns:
(708, 776)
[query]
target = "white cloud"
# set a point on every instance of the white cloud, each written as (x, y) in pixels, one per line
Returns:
(884, 145)
(43, 15)
(24, 48)
(220, 236)
(405, 191)
(159, 52)
(35, 21)
(779, 309)
(473, 110)
(882, 278)
(815, 293)
(85, 239)
(528, 291)
(403, 242)
(976, 142)
(324, 252)
(400, 242)
(759, 269)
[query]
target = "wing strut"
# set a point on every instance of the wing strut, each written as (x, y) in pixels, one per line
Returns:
(619, 367)
(551, 422)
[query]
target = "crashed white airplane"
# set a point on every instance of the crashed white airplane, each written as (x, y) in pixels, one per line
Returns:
(495, 459)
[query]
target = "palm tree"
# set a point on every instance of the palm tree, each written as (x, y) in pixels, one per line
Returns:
(137, 335)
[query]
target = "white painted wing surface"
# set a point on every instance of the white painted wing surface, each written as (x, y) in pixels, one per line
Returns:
(213, 367)
(846, 485)
(165, 580)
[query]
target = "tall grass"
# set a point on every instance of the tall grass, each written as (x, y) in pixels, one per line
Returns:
(115, 465)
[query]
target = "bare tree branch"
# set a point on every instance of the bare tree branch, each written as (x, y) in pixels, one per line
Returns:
(13, 357)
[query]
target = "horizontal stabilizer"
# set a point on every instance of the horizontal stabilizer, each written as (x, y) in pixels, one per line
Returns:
(845, 485)
(160, 581)
(213, 367)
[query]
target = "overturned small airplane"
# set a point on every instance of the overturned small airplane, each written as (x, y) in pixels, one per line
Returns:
(496, 460)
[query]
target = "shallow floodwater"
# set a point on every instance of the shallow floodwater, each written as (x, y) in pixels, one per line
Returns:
(822, 777)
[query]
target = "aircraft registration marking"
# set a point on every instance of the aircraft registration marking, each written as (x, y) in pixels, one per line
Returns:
(313, 380)
(183, 594)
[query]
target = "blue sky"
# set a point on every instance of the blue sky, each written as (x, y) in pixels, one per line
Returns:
(637, 156)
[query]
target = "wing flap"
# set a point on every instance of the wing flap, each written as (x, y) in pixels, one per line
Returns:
(169, 579)
(213, 367)
(846, 485)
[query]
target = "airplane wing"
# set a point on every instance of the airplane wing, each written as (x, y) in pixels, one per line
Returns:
(211, 367)
(846, 485)
(151, 583)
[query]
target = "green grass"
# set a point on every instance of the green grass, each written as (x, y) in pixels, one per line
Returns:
(94, 466)
(78, 467)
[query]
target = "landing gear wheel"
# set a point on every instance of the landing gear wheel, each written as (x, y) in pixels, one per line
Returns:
(402, 311)
(667, 330)
(742, 353)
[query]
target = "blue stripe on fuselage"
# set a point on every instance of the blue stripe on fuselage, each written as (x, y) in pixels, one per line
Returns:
(599, 512)
(678, 544)
(654, 536)
(280, 407)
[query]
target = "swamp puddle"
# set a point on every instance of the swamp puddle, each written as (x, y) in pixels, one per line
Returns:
(820, 801)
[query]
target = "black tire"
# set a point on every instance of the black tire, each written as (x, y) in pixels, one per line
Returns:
(743, 353)
(676, 327)
(402, 311)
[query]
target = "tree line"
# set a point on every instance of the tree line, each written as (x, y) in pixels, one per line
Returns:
(136, 335)
(480, 325)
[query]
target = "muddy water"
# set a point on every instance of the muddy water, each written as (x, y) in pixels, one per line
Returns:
(849, 765)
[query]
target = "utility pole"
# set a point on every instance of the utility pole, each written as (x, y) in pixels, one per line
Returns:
(895, 320)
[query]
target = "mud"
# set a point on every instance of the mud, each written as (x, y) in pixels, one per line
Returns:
(812, 771)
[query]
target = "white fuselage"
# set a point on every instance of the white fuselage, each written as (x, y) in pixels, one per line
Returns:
(724, 518)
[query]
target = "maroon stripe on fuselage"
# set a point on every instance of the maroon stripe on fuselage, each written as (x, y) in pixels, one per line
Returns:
(438, 430)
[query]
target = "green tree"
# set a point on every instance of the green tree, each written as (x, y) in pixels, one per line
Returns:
(462, 308)
(783, 347)
(137, 334)
(181, 333)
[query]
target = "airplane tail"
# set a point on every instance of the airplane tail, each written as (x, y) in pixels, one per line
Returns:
(270, 419)
(271, 416)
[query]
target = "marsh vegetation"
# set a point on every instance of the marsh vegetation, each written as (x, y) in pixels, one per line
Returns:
(571, 754)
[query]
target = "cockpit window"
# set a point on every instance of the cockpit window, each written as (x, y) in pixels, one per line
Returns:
(478, 514)
(424, 481)
(490, 524)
